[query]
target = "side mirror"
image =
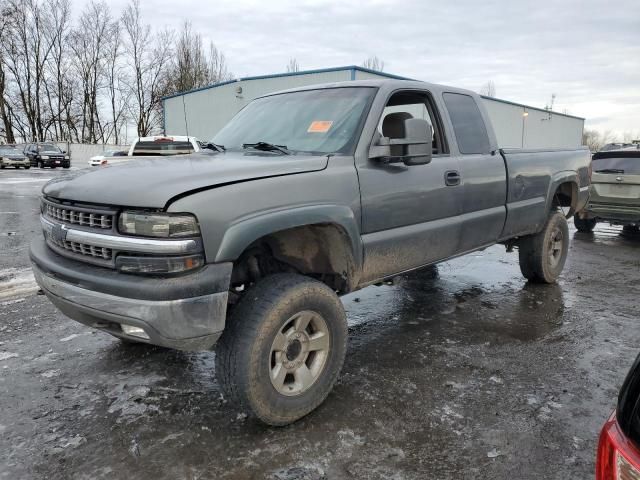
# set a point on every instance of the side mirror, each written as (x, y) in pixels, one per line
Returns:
(414, 149)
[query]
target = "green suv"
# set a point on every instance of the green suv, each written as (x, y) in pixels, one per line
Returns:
(615, 191)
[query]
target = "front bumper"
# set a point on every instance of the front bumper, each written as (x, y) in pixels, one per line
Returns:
(9, 162)
(185, 313)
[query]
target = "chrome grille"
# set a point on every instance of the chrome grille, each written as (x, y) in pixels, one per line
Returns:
(70, 215)
(83, 249)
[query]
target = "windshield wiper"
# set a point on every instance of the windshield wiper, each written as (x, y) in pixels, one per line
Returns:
(610, 170)
(214, 146)
(267, 147)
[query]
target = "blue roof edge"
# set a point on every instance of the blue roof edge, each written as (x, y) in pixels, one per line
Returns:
(351, 68)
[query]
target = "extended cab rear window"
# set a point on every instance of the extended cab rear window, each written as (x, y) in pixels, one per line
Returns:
(617, 163)
(468, 124)
(162, 147)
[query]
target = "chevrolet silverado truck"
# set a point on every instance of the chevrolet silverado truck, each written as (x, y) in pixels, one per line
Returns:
(304, 196)
(615, 191)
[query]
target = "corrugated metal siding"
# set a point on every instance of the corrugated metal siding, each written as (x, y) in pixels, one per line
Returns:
(367, 76)
(541, 129)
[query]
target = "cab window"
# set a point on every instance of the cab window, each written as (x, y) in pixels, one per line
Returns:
(409, 104)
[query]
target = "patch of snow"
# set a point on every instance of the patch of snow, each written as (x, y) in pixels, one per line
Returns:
(7, 355)
(70, 337)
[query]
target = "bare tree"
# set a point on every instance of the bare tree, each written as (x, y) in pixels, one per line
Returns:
(595, 140)
(488, 89)
(5, 106)
(90, 47)
(59, 83)
(191, 67)
(374, 63)
(293, 65)
(25, 53)
(115, 78)
(148, 56)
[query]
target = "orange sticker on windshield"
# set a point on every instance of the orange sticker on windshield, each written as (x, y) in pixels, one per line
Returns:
(319, 126)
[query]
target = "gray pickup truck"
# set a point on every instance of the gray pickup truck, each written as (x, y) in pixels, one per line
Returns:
(304, 196)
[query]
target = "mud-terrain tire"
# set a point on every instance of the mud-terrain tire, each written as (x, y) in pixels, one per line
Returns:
(585, 225)
(542, 256)
(283, 348)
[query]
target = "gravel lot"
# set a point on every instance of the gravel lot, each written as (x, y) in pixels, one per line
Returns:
(473, 374)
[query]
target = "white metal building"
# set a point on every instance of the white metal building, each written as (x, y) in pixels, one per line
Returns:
(203, 112)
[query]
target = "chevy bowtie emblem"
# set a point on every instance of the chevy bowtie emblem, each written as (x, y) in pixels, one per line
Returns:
(619, 179)
(59, 233)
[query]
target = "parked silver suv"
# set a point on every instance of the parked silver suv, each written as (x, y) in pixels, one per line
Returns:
(615, 191)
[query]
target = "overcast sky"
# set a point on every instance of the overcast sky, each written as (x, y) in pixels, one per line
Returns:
(586, 52)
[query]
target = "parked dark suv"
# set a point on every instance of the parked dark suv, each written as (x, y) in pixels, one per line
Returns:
(47, 155)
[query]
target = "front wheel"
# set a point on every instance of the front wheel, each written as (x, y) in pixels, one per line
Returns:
(585, 225)
(283, 348)
(543, 255)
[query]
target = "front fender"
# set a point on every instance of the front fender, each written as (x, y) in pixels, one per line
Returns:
(247, 230)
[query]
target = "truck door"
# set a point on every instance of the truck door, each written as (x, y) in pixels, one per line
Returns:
(483, 176)
(410, 214)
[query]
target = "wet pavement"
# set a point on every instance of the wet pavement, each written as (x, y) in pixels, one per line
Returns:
(472, 374)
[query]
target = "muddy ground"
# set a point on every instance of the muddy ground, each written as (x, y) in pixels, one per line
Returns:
(473, 374)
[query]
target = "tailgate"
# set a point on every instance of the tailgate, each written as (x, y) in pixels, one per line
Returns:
(616, 179)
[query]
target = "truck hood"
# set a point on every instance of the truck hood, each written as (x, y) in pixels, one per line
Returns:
(154, 182)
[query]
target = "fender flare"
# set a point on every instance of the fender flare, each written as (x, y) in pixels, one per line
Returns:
(566, 176)
(245, 231)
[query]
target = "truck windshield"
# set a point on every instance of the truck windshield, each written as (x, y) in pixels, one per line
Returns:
(312, 121)
(629, 165)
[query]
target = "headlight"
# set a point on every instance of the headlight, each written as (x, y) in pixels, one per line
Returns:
(158, 265)
(44, 157)
(158, 224)
(66, 157)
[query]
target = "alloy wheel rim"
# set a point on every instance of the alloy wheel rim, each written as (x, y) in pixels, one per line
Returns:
(299, 353)
(556, 245)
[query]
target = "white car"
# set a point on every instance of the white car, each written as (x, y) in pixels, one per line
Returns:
(102, 159)
(164, 145)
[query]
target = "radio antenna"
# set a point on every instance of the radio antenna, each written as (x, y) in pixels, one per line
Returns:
(184, 109)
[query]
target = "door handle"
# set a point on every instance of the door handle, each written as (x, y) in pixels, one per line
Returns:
(452, 178)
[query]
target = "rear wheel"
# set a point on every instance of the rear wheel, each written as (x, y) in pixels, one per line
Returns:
(27, 168)
(543, 255)
(2, 167)
(584, 224)
(283, 348)
(631, 229)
